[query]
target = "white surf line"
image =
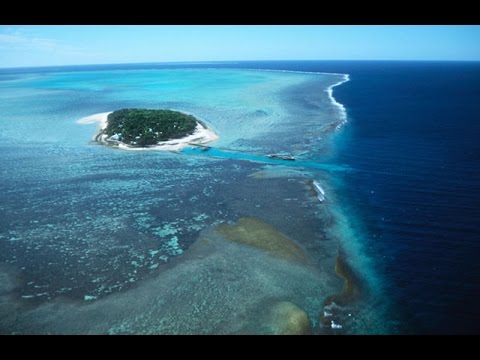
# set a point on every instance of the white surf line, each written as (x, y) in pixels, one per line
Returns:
(319, 190)
(341, 108)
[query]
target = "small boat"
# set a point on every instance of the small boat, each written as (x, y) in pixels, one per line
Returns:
(281, 157)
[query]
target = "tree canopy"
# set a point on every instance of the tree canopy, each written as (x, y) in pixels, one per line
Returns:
(143, 127)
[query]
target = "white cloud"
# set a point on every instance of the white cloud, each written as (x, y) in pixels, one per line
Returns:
(25, 40)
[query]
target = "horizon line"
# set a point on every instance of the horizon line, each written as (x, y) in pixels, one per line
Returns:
(230, 62)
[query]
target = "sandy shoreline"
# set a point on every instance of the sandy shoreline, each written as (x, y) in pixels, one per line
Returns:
(201, 136)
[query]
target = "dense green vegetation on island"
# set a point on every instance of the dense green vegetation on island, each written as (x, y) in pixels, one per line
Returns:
(143, 127)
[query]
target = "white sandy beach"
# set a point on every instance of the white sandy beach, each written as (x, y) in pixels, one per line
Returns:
(201, 136)
(100, 118)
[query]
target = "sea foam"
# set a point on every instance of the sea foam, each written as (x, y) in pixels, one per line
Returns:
(341, 108)
(319, 190)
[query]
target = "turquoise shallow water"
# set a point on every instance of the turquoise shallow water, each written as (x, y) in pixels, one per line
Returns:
(100, 240)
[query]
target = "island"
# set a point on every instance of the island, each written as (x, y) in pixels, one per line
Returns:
(150, 129)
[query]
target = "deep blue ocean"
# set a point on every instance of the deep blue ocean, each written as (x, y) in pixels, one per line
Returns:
(413, 138)
(412, 189)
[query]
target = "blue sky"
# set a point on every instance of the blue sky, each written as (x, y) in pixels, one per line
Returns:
(69, 45)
